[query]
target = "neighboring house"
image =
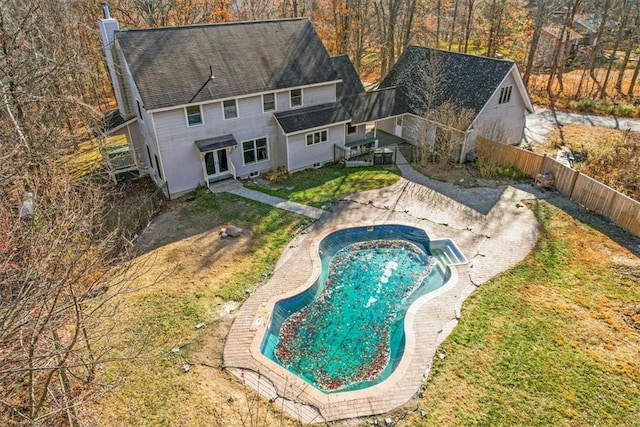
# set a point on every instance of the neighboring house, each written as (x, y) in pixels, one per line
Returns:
(490, 90)
(550, 38)
(204, 103)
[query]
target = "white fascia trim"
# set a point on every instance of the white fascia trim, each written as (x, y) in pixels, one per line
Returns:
(117, 128)
(519, 84)
(385, 118)
(250, 95)
(327, 126)
(523, 90)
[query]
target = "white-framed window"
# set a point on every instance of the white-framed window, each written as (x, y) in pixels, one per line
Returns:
(255, 150)
(230, 108)
(194, 115)
(318, 137)
(268, 102)
(505, 94)
(351, 129)
(295, 97)
(399, 121)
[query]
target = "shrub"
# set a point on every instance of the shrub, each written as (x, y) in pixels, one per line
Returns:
(490, 170)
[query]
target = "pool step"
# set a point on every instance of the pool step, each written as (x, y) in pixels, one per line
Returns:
(448, 251)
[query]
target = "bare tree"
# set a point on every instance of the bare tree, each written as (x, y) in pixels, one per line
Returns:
(162, 13)
(394, 26)
(467, 27)
(441, 131)
(543, 12)
(454, 19)
(624, 18)
(57, 256)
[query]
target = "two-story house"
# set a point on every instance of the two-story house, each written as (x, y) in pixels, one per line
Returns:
(207, 102)
(203, 103)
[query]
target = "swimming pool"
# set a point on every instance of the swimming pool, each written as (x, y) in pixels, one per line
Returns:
(346, 331)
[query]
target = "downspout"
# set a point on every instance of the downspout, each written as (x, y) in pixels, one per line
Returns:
(286, 146)
(463, 152)
(203, 165)
(233, 167)
(161, 165)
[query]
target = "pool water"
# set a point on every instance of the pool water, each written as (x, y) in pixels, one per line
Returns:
(346, 332)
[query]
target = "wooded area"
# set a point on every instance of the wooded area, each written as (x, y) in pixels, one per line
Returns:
(547, 38)
(57, 255)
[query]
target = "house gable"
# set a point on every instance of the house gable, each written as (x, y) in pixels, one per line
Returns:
(466, 81)
(351, 84)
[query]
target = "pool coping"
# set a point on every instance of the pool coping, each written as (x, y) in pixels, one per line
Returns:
(481, 237)
(308, 391)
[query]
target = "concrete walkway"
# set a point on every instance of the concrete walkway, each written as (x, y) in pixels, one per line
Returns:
(234, 187)
(494, 241)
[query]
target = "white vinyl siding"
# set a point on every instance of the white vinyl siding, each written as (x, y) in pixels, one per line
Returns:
(182, 161)
(301, 155)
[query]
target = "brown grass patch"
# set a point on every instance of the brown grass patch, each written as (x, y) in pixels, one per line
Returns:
(610, 156)
(631, 315)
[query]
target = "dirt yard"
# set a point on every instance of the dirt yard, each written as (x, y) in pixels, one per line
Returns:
(179, 316)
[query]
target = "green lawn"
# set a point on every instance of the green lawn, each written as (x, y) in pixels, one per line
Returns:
(325, 187)
(554, 341)
(551, 342)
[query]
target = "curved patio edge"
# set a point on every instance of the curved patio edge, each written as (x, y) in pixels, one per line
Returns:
(482, 238)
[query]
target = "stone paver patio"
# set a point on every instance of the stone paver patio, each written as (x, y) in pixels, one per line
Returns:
(493, 242)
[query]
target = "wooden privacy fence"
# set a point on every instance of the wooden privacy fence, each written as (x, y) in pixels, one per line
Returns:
(591, 194)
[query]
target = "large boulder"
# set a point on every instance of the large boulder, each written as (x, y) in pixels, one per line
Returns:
(234, 231)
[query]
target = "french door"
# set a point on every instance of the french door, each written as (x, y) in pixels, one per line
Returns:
(216, 163)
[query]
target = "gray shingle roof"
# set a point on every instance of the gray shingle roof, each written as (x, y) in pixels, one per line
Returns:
(171, 65)
(216, 143)
(312, 117)
(375, 105)
(351, 84)
(467, 81)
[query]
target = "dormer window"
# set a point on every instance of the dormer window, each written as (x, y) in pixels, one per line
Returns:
(230, 108)
(295, 97)
(505, 94)
(194, 115)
